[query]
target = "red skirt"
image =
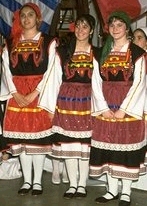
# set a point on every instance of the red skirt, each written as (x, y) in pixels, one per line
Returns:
(127, 131)
(28, 125)
(117, 147)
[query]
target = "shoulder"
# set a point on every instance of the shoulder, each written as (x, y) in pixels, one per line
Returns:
(62, 48)
(62, 52)
(49, 42)
(9, 43)
(136, 51)
(97, 52)
(136, 48)
(48, 38)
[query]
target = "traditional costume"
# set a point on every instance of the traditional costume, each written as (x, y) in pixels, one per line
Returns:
(27, 130)
(121, 143)
(73, 76)
(118, 145)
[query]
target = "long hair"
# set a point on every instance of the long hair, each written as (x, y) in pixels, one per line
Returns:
(71, 44)
(91, 22)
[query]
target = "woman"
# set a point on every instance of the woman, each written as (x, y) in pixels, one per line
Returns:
(3, 155)
(140, 37)
(56, 163)
(27, 128)
(1, 103)
(75, 69)
(118, 144)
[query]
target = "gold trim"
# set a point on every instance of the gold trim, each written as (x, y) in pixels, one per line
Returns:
(127, 119)
(63, 111)
(14, 109)
(28, 45)
(136, 86)
(145, 117)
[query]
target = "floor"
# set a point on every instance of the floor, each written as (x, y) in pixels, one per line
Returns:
(53, 194)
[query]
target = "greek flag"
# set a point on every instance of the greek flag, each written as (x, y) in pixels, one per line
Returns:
(7, 7)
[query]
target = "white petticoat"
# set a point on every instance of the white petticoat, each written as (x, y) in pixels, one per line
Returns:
(10, 169)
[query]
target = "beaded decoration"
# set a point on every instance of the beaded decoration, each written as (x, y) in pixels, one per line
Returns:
(25, 48)
(80, 63)
(118, 61)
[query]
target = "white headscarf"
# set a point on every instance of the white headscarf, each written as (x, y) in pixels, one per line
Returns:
(144, 29)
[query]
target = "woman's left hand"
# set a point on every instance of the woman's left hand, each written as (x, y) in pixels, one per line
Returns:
(30, 97)
(119, 114)
(51, 116)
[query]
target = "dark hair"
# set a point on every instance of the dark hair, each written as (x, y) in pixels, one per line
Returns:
(120, 15)
(88, 18)
(71, 47)
(71, 44)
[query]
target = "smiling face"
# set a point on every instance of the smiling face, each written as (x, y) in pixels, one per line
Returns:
(140, 39)
(118, 29)
(28, 18)
(82, 30)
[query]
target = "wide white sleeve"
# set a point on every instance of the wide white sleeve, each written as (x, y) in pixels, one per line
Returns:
(145, 105)
(133, 104)
(98, 102)
(51, 85)
(7, 85)
(51, 56)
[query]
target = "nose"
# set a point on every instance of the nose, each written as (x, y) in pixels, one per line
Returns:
(79, 29)
(26, 17)
(115, 28)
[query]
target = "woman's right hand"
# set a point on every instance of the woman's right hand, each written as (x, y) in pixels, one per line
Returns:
(108, 114)
(51, 116)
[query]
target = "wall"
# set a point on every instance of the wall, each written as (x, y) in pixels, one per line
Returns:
(96, 38)
(96, 31)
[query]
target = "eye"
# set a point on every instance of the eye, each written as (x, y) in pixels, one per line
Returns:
(31, 14)
(77, 26)
(120, 25)
(22, 15)
(85, 26)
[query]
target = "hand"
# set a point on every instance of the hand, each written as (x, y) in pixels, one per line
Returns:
(20, 99)
(108, 114)
(30, 97)
(51, 116)
(119, 114)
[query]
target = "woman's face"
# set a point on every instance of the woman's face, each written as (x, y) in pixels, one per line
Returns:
(28, 18)
(118, 29)
(140, 39)
(82, 30)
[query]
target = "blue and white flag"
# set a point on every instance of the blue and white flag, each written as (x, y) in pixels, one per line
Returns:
(7, 7)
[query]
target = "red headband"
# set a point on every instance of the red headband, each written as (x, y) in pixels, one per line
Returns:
(34, 7)
(16, 29)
